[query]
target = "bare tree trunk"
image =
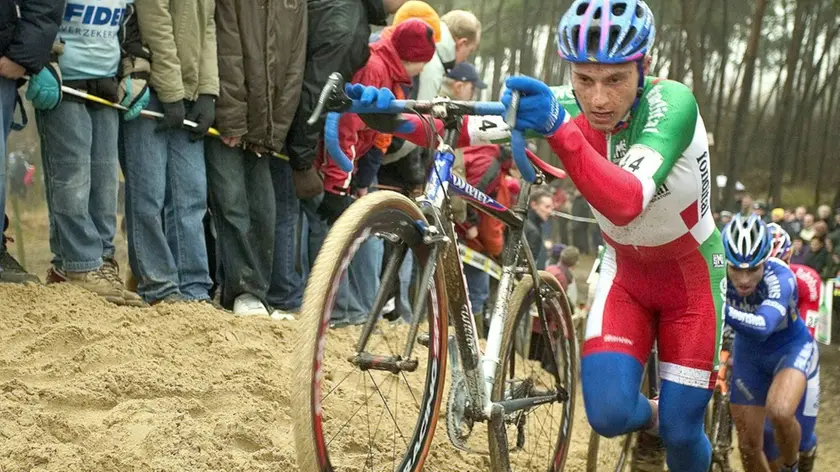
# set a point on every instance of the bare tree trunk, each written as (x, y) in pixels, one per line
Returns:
(786, 99)
(744, 100)
(692, 38)
(724, 47)
(499, 56)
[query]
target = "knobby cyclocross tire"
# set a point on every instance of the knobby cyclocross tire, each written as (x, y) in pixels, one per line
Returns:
(339, 247)
(556, 308)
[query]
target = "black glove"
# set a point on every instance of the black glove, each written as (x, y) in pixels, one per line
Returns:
(203, 112)
(173, 116)
(387, 123)
(333, 206)
(367, 167)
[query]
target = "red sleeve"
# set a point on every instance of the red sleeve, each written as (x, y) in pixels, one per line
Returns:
(335, 179)
(611, 190)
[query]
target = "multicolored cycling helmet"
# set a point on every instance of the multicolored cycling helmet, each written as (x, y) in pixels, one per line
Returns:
(606, 31)
(782, 245)
(747, 242)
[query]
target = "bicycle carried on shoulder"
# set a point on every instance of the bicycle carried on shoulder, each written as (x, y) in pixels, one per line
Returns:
(521, 387)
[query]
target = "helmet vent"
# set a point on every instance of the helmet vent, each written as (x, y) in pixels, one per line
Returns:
(619, 8)
(581, 9)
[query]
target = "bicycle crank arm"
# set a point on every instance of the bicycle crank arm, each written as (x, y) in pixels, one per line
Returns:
(517, 404)
(392, 364)
(499, 431)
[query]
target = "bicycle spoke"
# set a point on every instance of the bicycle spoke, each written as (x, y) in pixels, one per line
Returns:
(351, 417)
(389, 410)
(410, 390)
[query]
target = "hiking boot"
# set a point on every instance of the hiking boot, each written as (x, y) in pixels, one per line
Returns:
(10, 269)
(95, 281)
(111, 271)
(649, 453)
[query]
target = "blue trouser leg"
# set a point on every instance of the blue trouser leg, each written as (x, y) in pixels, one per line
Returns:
(286, 288)
(80, 167)
(8, 95)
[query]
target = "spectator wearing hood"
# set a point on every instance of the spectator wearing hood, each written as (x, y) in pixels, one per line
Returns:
(27, 33)
(460, 38)
(460, 35)
(102, 55)
(337, 41)
(265, 43)
(163, 162)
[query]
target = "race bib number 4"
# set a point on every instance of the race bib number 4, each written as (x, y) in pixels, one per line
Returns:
(487, 130)
(642, 161)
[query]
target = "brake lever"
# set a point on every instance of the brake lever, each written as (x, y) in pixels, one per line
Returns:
(333, 86)
(517, 142)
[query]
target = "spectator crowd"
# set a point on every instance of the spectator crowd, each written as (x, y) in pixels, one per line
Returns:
(238, 219)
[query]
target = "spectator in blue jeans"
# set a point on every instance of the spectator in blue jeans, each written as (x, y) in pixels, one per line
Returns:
(79, 143)
(27, 33)
(165, 172)
(260, 75)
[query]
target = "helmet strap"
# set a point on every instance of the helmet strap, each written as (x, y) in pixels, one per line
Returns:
(639, 92)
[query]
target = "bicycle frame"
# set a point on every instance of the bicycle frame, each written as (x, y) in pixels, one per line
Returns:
(479, 368)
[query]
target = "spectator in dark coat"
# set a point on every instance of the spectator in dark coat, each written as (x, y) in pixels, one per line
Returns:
(265, 42)
(818, 257)
(337, 41)
(25, 46)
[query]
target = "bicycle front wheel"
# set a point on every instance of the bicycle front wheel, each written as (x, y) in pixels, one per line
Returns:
(538, 437)
(359, 404)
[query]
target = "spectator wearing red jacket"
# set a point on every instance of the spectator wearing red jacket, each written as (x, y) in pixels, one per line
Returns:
(393, 62)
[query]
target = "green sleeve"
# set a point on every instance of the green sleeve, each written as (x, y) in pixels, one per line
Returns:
(667, 120)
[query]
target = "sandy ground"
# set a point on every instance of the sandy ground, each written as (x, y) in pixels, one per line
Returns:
(87, 386)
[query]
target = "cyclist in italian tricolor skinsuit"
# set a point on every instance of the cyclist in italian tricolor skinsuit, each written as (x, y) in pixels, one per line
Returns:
(639, 155)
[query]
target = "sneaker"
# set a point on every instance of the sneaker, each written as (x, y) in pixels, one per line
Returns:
(111, 271)
(806, 460)
(282, 315)
(249, 305)
(11, 271)
(95, 281)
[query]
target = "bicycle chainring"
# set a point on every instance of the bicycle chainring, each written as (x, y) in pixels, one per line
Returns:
(459, 424)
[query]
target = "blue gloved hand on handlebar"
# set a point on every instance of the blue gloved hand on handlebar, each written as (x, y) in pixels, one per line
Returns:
(369, 95)
(539, 109)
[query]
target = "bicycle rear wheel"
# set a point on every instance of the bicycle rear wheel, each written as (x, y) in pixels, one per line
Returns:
(538, 437)
(335, 425)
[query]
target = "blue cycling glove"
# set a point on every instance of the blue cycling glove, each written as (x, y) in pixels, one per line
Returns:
(539, 109)
(44, 90)
(369, 95)
(134, 91)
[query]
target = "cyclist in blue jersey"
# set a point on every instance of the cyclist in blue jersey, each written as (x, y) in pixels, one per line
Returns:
(774, 354)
